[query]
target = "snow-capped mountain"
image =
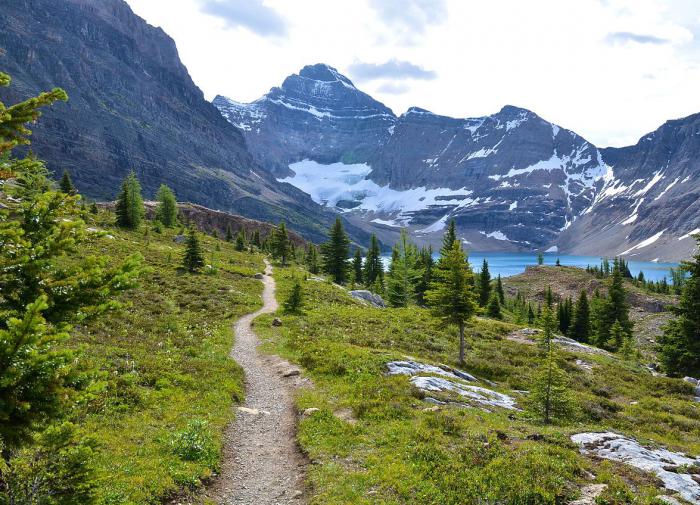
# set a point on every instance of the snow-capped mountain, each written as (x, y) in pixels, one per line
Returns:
(511, 180)
(316, 114)
(649, 204)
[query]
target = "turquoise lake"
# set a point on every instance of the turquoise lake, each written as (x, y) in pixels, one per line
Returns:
(507, 264)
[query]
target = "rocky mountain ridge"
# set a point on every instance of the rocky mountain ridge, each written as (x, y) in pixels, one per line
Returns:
(133, 105)
(511, 180)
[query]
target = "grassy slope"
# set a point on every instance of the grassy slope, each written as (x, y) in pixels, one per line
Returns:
(394, 450)
(164, 363)
(648, 310)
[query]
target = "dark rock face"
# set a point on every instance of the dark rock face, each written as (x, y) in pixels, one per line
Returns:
(134, 106)
(650, 200)
(511, 180)
(317, 114)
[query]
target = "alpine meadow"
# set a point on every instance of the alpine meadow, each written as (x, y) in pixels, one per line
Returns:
(308, 298)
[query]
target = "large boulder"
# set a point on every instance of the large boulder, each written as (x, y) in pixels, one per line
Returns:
(369, 297)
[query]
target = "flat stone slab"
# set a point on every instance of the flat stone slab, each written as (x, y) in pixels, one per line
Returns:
(663, 463)
(475, 394)
(416, 367)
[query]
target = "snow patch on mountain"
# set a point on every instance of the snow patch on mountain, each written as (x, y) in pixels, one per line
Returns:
(330, 184)
(644, 243)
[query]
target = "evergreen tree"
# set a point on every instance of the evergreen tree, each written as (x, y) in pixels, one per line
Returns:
(530, 314)
(617, 337)
(295, 302)
(548, 325)
(129, 208)
(240, 241)
(311, 259)
(93, 208)
(229, 233)
(484, 284)
(373, 269)
(549, 397)
(402, 273)
(680, 343)
(614, 309)
(279, 244)
(540, 259)
(558, 263)
(193, 260)
(41, 296)
(66, 184)
(565, 310)
(166, 211)
(256, 239)
(335, 253)
(499, 290)
(451, 295)
(549, 297)
(493, 309)
(424, 268)
(580, 328)
(448, 238)
(357, 266)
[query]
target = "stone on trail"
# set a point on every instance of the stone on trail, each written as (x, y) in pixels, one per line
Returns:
(259, 276)
(277, 322)
(661, 462)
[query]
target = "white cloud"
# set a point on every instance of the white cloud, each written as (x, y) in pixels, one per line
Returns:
(553, 57)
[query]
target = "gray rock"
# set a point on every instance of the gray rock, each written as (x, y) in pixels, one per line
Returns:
(277, 322)
(616, 447)
(259, 276)
(179, 239)
(474, 394)
(369, 297)
(696, 383)
(415, 367)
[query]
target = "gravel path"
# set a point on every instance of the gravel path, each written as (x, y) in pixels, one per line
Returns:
(262, 463)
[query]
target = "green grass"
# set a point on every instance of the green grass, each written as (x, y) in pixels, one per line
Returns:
(164, 385)
(394, 449)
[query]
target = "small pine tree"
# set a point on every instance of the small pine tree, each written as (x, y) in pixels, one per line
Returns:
(335, 253)
(357, 267)
(448, 238)
(580, 328)
(451, 295)
(256, 239)
(499, 290)
(240, 241)
(424, 270)
(548, 324)
(613, 309)
(66, 184)
(550, 397)
(93, 209)
(229, 233)
(549, 297)
(402, 273)
(166, 211)
(493, 309)
(311, 259)
(530, 314)
(558, 263)
(616, 338)
(540, 259)
(295, 302)
(680, 344)
(484, 284)
(129, 207)
(193, 260)
(279, 244)
(373, 267)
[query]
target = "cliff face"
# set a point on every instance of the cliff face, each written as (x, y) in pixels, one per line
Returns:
(510, 180)
(134, 106)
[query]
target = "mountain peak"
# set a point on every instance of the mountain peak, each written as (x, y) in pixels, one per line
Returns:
(324, 73)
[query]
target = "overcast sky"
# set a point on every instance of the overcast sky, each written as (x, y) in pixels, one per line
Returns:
(611, 70)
